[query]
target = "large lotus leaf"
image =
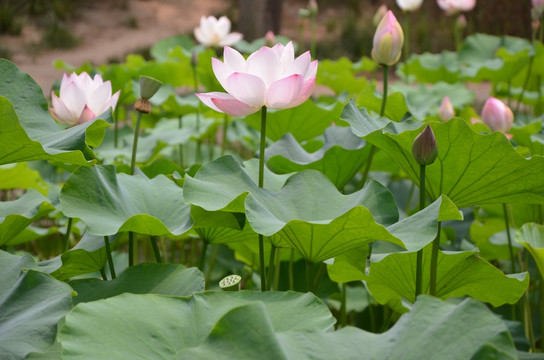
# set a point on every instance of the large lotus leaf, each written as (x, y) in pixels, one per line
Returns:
(16, 215)
(433, 329)
(470, 169)
(433, 68)
(531, 236)
(484, 235)
(110, 203)
(176, 325)
(341, 75)
(31, 233)
(221, 227)
(28, 132)
(371, 99)
(342, 155)
(31, 304)
(20, 176)
(150, 278)
(392, 278)
(172, 104)
(426, 100)
(162, 49)
(304, 122)
(88, 256)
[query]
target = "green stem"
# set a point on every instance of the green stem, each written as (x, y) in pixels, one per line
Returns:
(271, 263)
(155, 246)
(277, 269)
(67, 235)
(261, 185)
(509, 93)
(108, 254)
(198, 142)
(529, 321)
(103, 273)
(539, 207)
(343, 315)
(410, 194)
(538, 107)
(434, 261)
(510, 248)
(194, 245)
(213, 259)
(135, 143)
(180, 146)
(313, 35)
(384, 98)
(406, 46)
(116, 127)
(319, 275)
(202, 260)
(529, 73)
(309, 276)
(367, 167)
(291, 278)
(130, 248)
(419, 260)
(224, 139)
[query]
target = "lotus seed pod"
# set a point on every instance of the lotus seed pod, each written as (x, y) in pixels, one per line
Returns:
(230, 283)
(149, 86)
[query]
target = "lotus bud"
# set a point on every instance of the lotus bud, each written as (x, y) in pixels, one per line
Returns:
(380, 13)
(230, 283)
(409, 5)
(446, 110)
(388, 41)
(461, 22)
(497, 115)
(149, 86)
(312, 7)
(270, 39)
(424, 147)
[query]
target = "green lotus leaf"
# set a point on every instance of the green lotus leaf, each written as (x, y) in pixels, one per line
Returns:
(342, 75)
(392, 278)
(30, 133)
(31, 304)
(531, 236)
(162, 49)
(110, 203)
(342, 155)
(16, 215)
(177, 327)
(433, 68)
(470, 169)
(371, 99)
(21, 176)
(150, 278)
(304, 122)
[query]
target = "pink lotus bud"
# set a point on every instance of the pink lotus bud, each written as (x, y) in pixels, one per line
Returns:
(270, 39)
(497, 115)
(380, 13)
(461, 22)
(312, 7)
(388, 41)
(215, 32)
(446, 110)
(424, 148)
(270, 77)
(455, 6)
(409, 5)
(82, 98)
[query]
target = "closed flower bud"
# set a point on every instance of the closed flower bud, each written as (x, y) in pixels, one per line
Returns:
(424, 147)
(388, 41)
(446, 110)
(269, 39)
(149, 86)
(461, 22)
(497, 115)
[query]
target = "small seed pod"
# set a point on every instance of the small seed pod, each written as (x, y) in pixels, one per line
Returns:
(230, 283)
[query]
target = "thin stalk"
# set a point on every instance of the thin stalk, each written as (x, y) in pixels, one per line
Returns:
(180, 146)
(277, 269)
(182, 253)
(434, 262)
(135, 143)
(165, 249)
(309, 276)
(103, 274)
(130, 248)
(406, 46)
(224, 139)
(419, 260)
(313, 35)
(538, 107)
(529, 73)
(198, 142)
(271, 264)
(261, 184)
(343, 314)
(319, 275)
(367, 167)
(108, 254)
(291, 279)
(384, 99)
(67, 235)
(116, 128)
(510, 248)
(155, 246)
(509, 93)
(529, 321)
(194, 245)
(202, 260)
(213, 259)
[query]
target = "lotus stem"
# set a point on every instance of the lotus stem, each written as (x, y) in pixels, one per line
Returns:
(384, 99)
(103, 273)
(271, 264)
(202, 260)
(529, 73)
(67, 235)
(261, 185)
(419, 260)
(180, 146)
(319, 275)
(116, 128)
(135, 143)
(224, 139)
(434, 261)
(198, 142)
(213, 259)
(110, 259)
(309, 276)
(153, 240)
(277, 269)
(343, 314)
(510, 247)
(406, 46)
(313, 35)
(291, 279)
(130, 248)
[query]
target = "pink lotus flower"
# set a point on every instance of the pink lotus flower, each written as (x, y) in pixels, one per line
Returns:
(497, 115)
(409, 5)
(216, 32)
(446, 110)
(81, 98)
(455, 6)
(270, 77)
(388, 41)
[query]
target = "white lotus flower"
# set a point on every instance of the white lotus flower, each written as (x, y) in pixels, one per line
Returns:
(409, 5)
(214, 32)
(455, 6)
(81, 98)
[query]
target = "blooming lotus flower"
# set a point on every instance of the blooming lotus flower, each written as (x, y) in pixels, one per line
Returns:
(497, 115)
(270, 77)
(215, 32)
(409, 5)
(81, 98)
(446, 110)
(388, 41)
(455, 6)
